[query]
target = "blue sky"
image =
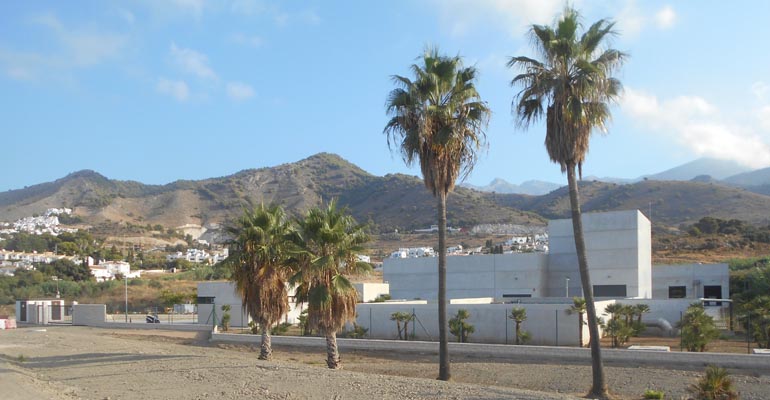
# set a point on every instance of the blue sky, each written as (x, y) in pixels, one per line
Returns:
(156, 91)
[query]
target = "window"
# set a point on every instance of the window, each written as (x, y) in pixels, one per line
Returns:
(205, 300)
(610, 290)
(677, 292)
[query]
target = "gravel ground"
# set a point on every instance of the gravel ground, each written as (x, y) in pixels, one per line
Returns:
(90, 363)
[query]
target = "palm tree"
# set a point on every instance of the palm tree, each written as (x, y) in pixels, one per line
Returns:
(438, 121)
(571, 86)
(330, 239)
(578, 307)
(260, 251)
(518, 315)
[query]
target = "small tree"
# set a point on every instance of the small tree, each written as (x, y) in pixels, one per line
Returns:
(226, 317)
(405, 318)
(715, 385)
(638, 326)
(459, 328)
(578, 307)
(519, 315)
(303, 325)
(617, 327)
(698, 329)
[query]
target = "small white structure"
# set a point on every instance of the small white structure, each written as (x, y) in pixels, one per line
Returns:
(213, 295)
(369, 291)
(39, 311)
(107, 270)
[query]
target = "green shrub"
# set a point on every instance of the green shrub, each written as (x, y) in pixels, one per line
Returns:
(653, 394)
(714, 385)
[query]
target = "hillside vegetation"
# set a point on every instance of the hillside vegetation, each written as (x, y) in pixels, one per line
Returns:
(386, 203)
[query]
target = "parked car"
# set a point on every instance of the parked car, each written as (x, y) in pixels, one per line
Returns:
(152, 319)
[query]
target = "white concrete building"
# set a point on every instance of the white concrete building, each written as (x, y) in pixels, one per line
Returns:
(618, 246)
(691, 281)
(213, 295)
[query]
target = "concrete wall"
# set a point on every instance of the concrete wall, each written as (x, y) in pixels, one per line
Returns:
(370, 291)
(498, 276)
(548, 323)
(618, 247)
(225, 293)
(693, 276)
(89, 314)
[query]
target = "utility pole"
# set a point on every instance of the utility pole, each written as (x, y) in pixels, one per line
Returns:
(125, 277)
(567, 288)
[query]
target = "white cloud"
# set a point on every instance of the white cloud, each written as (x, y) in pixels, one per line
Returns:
(310, 17)
(194, 7)
(248, 40)
(281, 19)
(248, 7)
(239, 91)
(761, 90)
(20, 73)
(192, 62)
(665, 18)
(126, 15)
(764, 118)
(175, 89)
(632, 20)
(83, 47)
(699, 126)
(513, 16)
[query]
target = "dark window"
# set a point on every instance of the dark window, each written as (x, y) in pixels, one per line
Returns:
(713, 292)
(610, 290)
(205, 300)
(677, 292)
(516, 295)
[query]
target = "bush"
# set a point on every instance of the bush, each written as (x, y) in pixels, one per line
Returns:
(698, 329)
(459, 328)
(358, 332)
(653, 394)
(715, 385)
(281, 328)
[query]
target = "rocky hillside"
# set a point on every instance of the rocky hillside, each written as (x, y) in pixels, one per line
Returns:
(387, 203)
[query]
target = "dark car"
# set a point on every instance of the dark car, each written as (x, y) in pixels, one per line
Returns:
(152, 319)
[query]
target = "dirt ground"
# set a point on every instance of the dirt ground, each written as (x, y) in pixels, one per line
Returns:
(89, 363)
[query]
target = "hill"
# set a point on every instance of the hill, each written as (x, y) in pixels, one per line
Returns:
(532, 187)
(748, 179)
(717, 169)
(671, 203)
(387, 203)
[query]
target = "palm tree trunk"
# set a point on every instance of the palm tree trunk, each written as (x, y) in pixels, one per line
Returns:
(443, 350)
(518, 333)
(266, 349)
(580, 332)
(599, 385)
(332, 353)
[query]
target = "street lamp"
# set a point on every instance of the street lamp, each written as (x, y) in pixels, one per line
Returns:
(56, 278)
(125, 276)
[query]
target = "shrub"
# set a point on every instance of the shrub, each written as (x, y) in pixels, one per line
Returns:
(281, 328)
(358, 332)
(653, 394)
(459, 328)
(714, 385)
(698, 329)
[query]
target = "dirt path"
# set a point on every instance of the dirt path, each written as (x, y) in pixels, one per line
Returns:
(89, 363)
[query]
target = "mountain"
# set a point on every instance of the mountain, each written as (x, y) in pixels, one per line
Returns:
(717, 169)
(753, 178)
(672, 203)
(532, 187)
(387, 203)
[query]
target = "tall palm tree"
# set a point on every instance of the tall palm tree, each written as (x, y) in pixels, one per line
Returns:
(571, 86)
(330, 239)
(438, 121)
(578, 307)
(260, 251)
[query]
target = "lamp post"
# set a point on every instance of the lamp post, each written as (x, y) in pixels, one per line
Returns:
(125, 277)
(567, 288)
(56, 278)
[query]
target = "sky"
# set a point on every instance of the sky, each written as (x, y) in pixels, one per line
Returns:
(155, 91)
